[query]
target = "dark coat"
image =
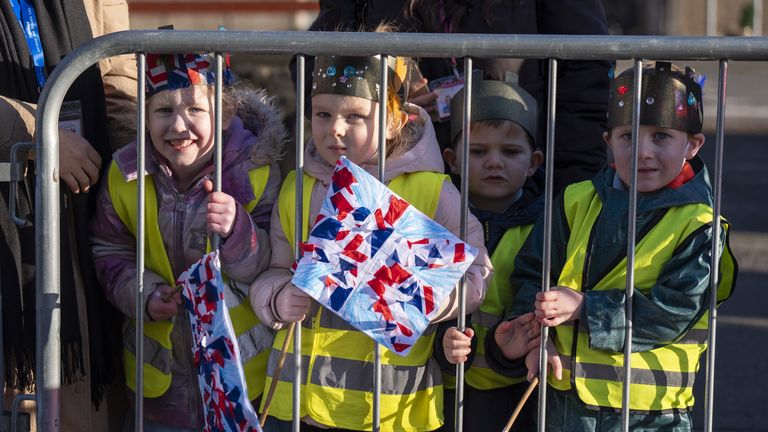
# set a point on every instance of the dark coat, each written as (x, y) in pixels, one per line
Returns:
(582, 91)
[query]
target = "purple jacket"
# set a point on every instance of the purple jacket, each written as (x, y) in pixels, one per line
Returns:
(254, 139)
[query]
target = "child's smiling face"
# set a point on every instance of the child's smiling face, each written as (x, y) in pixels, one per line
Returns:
(661, 154)
(345, 126)
(180, 124)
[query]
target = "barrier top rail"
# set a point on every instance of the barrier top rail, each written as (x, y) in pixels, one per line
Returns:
(581, 47)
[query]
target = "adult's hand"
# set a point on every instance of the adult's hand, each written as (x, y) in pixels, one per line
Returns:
(419, 94)
(79, 163)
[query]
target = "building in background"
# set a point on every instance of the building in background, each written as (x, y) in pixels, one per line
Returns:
(686, 17)
(261, 15)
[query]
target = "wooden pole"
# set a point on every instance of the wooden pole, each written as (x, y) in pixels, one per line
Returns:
(276, 375)
(520, 404)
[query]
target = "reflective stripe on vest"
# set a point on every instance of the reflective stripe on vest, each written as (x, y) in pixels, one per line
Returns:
(662, 378)
(157, 334)
(337, 389)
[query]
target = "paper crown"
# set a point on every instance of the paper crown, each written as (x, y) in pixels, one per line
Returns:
(355, 76)
(671, 98)
(496, 100)
(176, 71)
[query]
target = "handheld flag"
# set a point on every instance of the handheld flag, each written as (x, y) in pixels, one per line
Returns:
(216, 353)
(377, 261)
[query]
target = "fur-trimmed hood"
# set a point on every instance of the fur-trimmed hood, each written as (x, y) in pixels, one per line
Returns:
(261, 116)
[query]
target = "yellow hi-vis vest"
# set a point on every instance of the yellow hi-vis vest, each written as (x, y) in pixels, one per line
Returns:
(497, 300)
(662, 378)
(412, 393)
(157, 334)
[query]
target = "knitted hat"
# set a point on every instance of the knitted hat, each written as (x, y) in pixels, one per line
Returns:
(176, 71)
(671, 98)
(496, 100)
(355, 76)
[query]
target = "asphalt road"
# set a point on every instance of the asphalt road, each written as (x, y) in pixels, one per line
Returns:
(741, 379)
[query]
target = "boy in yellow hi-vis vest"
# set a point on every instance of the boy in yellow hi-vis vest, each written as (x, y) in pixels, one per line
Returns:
(506, 195)
(182, 212)
(337, 359)
(585, 309)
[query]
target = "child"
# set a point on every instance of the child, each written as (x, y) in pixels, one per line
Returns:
(338, 360)
(182, 212)
(585, 306)
(505, 194)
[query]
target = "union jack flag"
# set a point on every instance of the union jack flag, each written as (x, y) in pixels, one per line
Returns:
(216, 353)
(378, 262)
(175, 71)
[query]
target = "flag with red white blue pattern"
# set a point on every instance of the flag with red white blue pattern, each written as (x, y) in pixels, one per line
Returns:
(216, 354)
(377, 261)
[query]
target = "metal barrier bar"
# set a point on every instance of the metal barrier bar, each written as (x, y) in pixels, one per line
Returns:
(546, 259)
(462, 287)
(631, 234)
(299, 230)
(310, 43)
(217, 141)
(15, 410)
(382, 139)
(48, 252)
(714, 278)
(141, 60)
(565, 47)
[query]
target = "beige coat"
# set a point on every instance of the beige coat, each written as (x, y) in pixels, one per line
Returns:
(18, 120)
(118, 74)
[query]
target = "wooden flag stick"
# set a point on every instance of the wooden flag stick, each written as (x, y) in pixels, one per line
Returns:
(520, 404)
(276, 375)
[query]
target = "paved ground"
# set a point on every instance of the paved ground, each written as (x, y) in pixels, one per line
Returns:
(741, 382)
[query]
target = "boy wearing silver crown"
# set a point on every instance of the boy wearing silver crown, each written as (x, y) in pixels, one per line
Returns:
(505, 194)
(179, 168)
(585, 307)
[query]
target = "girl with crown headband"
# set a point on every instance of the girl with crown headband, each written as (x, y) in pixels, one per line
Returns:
(337, 387)
(183, 210)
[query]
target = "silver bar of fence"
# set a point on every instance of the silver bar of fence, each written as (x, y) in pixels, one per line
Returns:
(384, 72)
(714, 278)
(141, 59)
(546, 259)
(462, 294)
(631, 234)
(217, 143)
(298, 232)
(565, 47)
(47, 263)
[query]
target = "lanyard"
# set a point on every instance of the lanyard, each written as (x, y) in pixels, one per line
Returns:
(25, 13)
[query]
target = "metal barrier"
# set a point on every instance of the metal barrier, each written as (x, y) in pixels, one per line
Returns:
(553, 47)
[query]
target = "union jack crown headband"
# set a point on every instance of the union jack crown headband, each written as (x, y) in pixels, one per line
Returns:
(176, 71)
